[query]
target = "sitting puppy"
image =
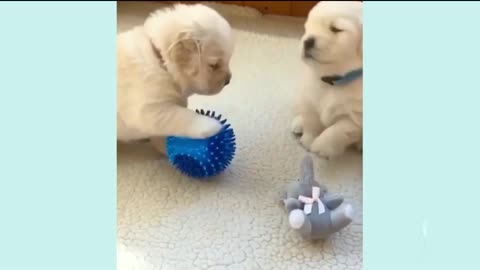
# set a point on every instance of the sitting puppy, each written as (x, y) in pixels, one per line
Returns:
(329, 112)
(178, 52)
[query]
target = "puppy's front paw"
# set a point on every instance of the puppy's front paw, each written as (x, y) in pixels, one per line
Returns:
(297, 125)
(205, 127)
(307, 140)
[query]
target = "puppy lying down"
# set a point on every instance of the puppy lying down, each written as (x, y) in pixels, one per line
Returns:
(178, 52)
(329, 112)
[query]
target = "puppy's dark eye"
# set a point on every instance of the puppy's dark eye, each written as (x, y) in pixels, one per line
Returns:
(335, 29)
(215, 66)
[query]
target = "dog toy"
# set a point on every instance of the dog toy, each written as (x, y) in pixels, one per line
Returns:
(203, 158)
(312, 211)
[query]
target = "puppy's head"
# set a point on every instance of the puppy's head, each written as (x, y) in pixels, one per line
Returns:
(196, 44)
(333, 33)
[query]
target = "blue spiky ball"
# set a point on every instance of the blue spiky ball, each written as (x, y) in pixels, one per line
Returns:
(203, 158)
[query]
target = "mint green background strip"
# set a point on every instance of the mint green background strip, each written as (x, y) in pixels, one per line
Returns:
(422, 135)
(57, 135)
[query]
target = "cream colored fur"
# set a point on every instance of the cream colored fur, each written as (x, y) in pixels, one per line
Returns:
(196, 45)
(330, 118)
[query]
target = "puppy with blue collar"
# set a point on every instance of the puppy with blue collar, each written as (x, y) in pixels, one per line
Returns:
(329, 111)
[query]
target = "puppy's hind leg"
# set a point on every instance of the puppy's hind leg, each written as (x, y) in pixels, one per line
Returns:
(334, 140)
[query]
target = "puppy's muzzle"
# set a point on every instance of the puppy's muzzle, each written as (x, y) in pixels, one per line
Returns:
(227, 80)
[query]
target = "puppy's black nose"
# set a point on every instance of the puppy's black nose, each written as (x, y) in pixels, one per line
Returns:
(227, 80)
(309, 43)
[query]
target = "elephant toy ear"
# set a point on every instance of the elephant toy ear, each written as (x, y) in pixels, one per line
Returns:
(306, 170)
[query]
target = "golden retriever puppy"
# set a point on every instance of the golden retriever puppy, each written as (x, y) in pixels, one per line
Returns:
(329, 112)
(178, 52)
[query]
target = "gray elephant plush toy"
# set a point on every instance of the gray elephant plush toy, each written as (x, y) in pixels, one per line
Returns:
(312, 211)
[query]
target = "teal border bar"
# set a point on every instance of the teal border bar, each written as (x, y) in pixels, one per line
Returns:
(57, 135)
(422, 135)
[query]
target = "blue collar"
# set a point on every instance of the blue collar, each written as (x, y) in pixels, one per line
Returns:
(342, 80)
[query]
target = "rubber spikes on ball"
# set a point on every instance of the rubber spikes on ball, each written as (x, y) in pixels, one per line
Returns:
(203, 158)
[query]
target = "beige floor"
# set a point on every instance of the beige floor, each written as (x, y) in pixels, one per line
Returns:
(166, 221)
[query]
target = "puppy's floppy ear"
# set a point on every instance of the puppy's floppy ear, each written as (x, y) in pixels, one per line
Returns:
(185, 53)
(356, 26)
